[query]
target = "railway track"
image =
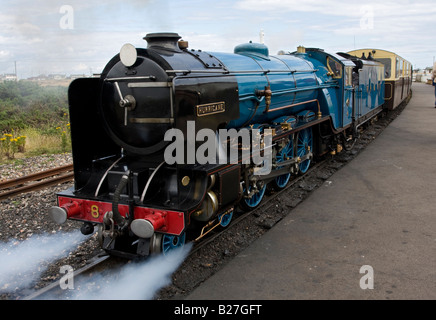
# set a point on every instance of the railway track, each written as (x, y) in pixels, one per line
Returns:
(36, 181)
(50, 290)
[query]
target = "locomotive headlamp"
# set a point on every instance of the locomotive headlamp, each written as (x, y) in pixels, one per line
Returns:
(128, 55)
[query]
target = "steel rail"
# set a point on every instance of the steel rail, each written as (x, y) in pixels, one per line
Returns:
(94, 262)
(17, 186)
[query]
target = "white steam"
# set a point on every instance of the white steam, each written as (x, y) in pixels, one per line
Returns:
(22, 262)
(134, 281)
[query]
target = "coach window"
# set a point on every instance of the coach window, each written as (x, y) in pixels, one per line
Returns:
(402, 68)
(387, 63)
(398, 68)
(334, 67)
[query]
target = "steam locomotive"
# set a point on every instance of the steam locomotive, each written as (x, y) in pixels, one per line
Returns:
(308, 102)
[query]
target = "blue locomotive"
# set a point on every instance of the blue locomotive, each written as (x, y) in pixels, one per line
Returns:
(311, 103)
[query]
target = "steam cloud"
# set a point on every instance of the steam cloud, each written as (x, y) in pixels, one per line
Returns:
(22, 262)
(135, 281)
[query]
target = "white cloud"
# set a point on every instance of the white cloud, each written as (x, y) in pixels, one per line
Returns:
(331, 24)
(4, 54)
(30, 32)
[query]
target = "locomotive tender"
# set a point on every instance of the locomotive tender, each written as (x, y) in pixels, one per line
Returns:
(311, 101)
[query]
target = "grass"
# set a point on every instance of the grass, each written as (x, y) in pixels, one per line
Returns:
(33, 120)
(39, 142)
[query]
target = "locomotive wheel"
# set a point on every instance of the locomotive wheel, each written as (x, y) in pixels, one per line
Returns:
(225, 219)
(248, 204)
(286, 153)
(304, 145)
(164, 243)
(348, 143)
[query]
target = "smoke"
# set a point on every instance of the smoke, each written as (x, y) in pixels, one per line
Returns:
(134, 281)
(22, 262)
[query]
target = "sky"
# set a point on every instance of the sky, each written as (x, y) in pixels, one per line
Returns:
(81, 36)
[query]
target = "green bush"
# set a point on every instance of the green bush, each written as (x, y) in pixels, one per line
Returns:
(36, 111)
(26, 104)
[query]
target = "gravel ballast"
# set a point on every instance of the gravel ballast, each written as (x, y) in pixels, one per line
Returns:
(24, 222)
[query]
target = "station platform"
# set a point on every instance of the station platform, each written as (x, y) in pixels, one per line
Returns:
(378, 212)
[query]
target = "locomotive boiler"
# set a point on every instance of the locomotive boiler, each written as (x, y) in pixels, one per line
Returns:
(310, 102)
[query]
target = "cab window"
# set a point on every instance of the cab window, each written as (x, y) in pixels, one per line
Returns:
(348, 76)
(334, 67)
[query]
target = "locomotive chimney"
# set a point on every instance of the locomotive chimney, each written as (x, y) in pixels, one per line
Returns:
(163, 41)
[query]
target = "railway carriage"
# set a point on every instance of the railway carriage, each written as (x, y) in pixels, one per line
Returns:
(397, 73)
(307, 103)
